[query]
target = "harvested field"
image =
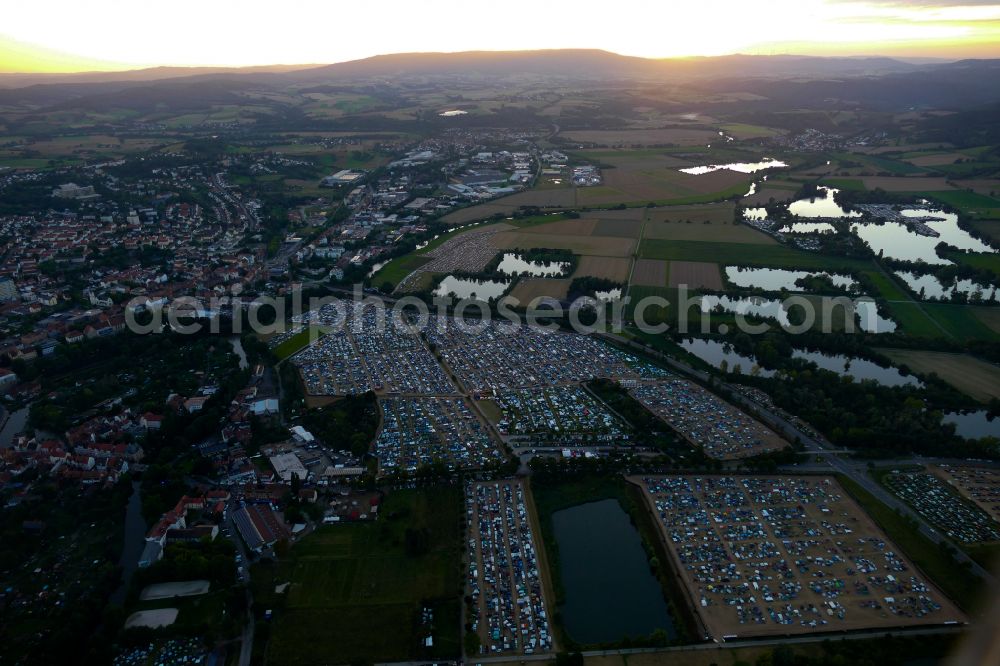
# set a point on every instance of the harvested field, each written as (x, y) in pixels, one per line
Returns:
(765, 194)
(643, 176)
(602, 246)
(185, 588)
(977, 379)
(626, 214)
(936, 159)
(695, 274)
(619, 228)
(796, 555)
(644, 137)
(900, 184)
(526, 291)
(721, 233)
(717, 213)
(650, 273)
(610, 268)
(552, 198)
(579, 227)
(477, 213)
(989, 316)
(989, 187)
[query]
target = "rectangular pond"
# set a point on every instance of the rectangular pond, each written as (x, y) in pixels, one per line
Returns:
(610, 591)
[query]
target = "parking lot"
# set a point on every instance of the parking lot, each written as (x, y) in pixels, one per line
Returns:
(557, 416)
(705, 420)
(979, 484)
(367, 354)
(503, 357)
(508, 610)
(420, 431)
(943, 507)
(785, 555)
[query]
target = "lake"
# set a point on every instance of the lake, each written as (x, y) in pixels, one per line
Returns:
(463, 288)
(776, 279)
(933, 289)
(610, 591)
(822, 205)
(772, 308)
(714, 353)
(859, 368)
(512, 264)
(896, 241)
(741, 167)
(973, 425)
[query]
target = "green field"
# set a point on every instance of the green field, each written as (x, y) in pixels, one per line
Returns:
(972, 203)
(778, 256)
(960, 321)
(990, 262)
(913, 321)
(298, 341)
(961, 586)
(845, 184)
(397, 269)
(887, 287)
(357, 589)
(880, 163)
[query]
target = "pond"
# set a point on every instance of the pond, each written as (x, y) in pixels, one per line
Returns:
(238, 348)
(376, 268)
(822, 205)
(741, 167)
(15, 423)
(464, 288)
(776, 279)
(897, 241)
(609, 295)
(859, 368)
(933, 289)
(714, 353)
(808, 228)
(755, 214)
(973, 425)
(512, 264)
(610, 591)
(453, 113)
(771, 308)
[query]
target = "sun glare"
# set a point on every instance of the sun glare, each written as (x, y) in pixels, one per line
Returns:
(187, 33)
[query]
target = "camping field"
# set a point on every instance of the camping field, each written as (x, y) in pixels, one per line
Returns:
(361, 586)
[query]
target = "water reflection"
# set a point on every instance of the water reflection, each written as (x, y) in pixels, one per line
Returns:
(930, 287)
(974, 425)
(512, 264)
(465, 288)
(897, 241)
(822, 205)
(715, 353)
(776, 279)
(741, 167)
(859, 368)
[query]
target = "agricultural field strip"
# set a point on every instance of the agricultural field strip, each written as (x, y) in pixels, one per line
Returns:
(504, 578)
(782, 555)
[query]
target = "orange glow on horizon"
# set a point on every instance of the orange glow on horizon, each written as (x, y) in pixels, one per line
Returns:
(114, 35)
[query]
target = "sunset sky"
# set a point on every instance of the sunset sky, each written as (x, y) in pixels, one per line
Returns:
(63, 35)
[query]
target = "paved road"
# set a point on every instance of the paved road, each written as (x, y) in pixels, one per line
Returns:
(727, 645)
(856, 471)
